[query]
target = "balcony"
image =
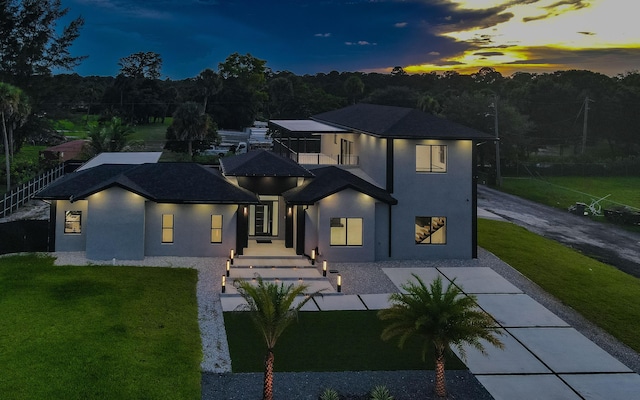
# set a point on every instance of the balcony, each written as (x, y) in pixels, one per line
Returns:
(317, 158)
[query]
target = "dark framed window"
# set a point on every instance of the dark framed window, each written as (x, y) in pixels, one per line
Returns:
(216, 229)
(73, 222)
(431, 230)
(346, 232)
(431, 158)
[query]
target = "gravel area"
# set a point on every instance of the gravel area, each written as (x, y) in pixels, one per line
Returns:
(358, 278)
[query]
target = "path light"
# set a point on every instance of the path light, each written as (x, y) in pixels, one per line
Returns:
(228, 267)
(324, 268)
(231, 254)
(313, 257)
(339, 283)
(224, 283)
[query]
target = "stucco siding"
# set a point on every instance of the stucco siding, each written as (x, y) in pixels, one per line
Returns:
(71, 241)
(115, 225)
(347, 204)
(192, 230)
(372, 154)
(447, 194)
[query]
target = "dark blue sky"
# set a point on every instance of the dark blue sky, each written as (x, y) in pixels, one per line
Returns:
(311, 36)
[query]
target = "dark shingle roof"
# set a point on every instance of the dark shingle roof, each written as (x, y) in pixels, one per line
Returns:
(397, 122)
(262, 163)
(159, 182)
(330, 180)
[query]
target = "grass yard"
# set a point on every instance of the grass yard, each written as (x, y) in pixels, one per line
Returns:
(562, 192)
(325, 341)
(600, 292)
(97, 332)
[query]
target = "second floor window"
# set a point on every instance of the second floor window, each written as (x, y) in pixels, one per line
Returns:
(167, 228)
(431, 158)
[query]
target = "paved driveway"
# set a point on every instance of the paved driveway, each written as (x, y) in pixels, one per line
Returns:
(602, 241)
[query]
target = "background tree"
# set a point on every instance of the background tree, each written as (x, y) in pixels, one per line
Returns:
(111, 136)
(354, 88)
(14, 109)
(271, 309)
(189, 124)
(141, 65)
(281, 96)
(29, 40)
(439, 319)
(210, 83)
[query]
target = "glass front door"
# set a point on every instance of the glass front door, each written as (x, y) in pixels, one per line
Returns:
(263, 218)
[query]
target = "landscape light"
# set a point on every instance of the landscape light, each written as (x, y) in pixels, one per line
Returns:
(224, 283)
(324, 268)
(231, 254)
(228, 266)
(339, 283)
(313, 257)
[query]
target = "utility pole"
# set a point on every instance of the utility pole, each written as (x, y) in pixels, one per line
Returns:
(495, 118)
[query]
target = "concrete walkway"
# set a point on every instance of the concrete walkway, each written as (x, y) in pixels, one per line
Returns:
(543, 358)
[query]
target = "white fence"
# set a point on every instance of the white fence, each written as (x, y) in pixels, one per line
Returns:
(23, 193)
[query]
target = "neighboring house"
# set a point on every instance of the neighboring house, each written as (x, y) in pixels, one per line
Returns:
(388, 183)
(71, 150)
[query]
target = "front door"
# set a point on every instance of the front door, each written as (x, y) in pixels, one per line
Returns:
(263, 219)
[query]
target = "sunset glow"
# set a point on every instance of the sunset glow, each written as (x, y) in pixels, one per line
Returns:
(538, 37)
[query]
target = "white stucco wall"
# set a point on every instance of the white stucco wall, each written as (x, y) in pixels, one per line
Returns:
(192, 230)
(432, 195)
(115, 225)
(70, 241)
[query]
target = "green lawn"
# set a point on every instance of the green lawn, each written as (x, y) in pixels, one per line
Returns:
(97, 332)
(601, 293)
(324, 341)
(564, 191)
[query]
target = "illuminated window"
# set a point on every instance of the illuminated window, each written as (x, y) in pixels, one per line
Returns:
(73, 222)
(346, 232)
(431, 230)
(216, 229)
(431, 158)
(167, 228)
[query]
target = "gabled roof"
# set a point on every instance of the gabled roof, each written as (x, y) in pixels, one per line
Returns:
(330, 180)
(262, 163)
(159, 182)
(397, 122)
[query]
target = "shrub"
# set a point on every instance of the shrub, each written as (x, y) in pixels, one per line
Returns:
(329, 394)
(381, 393)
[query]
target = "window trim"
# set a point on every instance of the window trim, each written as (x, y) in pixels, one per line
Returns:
(216, 229)
(441, 154)
(67, 214)
(167, 228)
(345, 238)
(430, 235)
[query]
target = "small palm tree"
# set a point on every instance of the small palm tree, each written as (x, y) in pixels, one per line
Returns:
(438, 318)
(272, 311)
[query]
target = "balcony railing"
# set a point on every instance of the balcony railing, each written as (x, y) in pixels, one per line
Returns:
(315, 158)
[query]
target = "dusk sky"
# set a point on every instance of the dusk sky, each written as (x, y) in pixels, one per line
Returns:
(311, 36)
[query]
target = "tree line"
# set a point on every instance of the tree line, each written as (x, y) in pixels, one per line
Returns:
(569, 110)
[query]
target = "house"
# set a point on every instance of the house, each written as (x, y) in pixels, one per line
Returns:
(386, 183)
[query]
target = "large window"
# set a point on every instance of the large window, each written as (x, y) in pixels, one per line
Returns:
(431, 230)
(346, 232)
(431, 158)
(216, 229)
(73, 222)
(167, 228)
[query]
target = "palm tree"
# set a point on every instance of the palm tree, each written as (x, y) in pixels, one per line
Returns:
(438, 318)
(110, 136)
(272, 311)
(14, 109)
(189, 124)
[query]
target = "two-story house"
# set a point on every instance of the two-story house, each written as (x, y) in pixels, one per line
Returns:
(362, 183)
